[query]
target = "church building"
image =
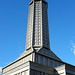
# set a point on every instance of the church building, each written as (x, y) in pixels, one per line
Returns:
(38, 59)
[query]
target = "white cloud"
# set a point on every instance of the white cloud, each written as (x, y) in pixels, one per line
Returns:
(0, 69)
(74, 52)
(73, 48)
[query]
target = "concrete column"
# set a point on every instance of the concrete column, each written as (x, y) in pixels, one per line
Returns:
(33, 56)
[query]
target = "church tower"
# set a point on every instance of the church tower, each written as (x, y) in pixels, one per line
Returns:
(37, 59)
(37, 32)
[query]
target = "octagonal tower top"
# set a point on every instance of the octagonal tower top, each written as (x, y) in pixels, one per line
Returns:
(37, 0)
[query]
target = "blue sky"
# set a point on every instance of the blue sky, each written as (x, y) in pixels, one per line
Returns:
(13, 28)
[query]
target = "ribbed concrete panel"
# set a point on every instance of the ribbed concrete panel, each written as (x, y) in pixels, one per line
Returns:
(37, 31)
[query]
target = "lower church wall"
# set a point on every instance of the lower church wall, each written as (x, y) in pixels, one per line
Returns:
(16, 65)
(38, 69)
(24, 72)
(65, 69)
(35, 72)
(30, 68)
(17, 70)
(47, 61)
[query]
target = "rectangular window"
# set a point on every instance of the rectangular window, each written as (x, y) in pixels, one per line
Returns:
(44, 60)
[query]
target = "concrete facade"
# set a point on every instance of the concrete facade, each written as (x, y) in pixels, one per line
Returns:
(38, 59)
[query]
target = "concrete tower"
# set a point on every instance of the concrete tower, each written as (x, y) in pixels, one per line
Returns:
(37, 32)
(38, 59)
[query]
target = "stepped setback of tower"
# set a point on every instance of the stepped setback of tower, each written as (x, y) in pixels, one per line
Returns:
(38, 31)
(38, 59)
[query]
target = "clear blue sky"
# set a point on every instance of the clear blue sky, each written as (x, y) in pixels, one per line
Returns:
(13, 28)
